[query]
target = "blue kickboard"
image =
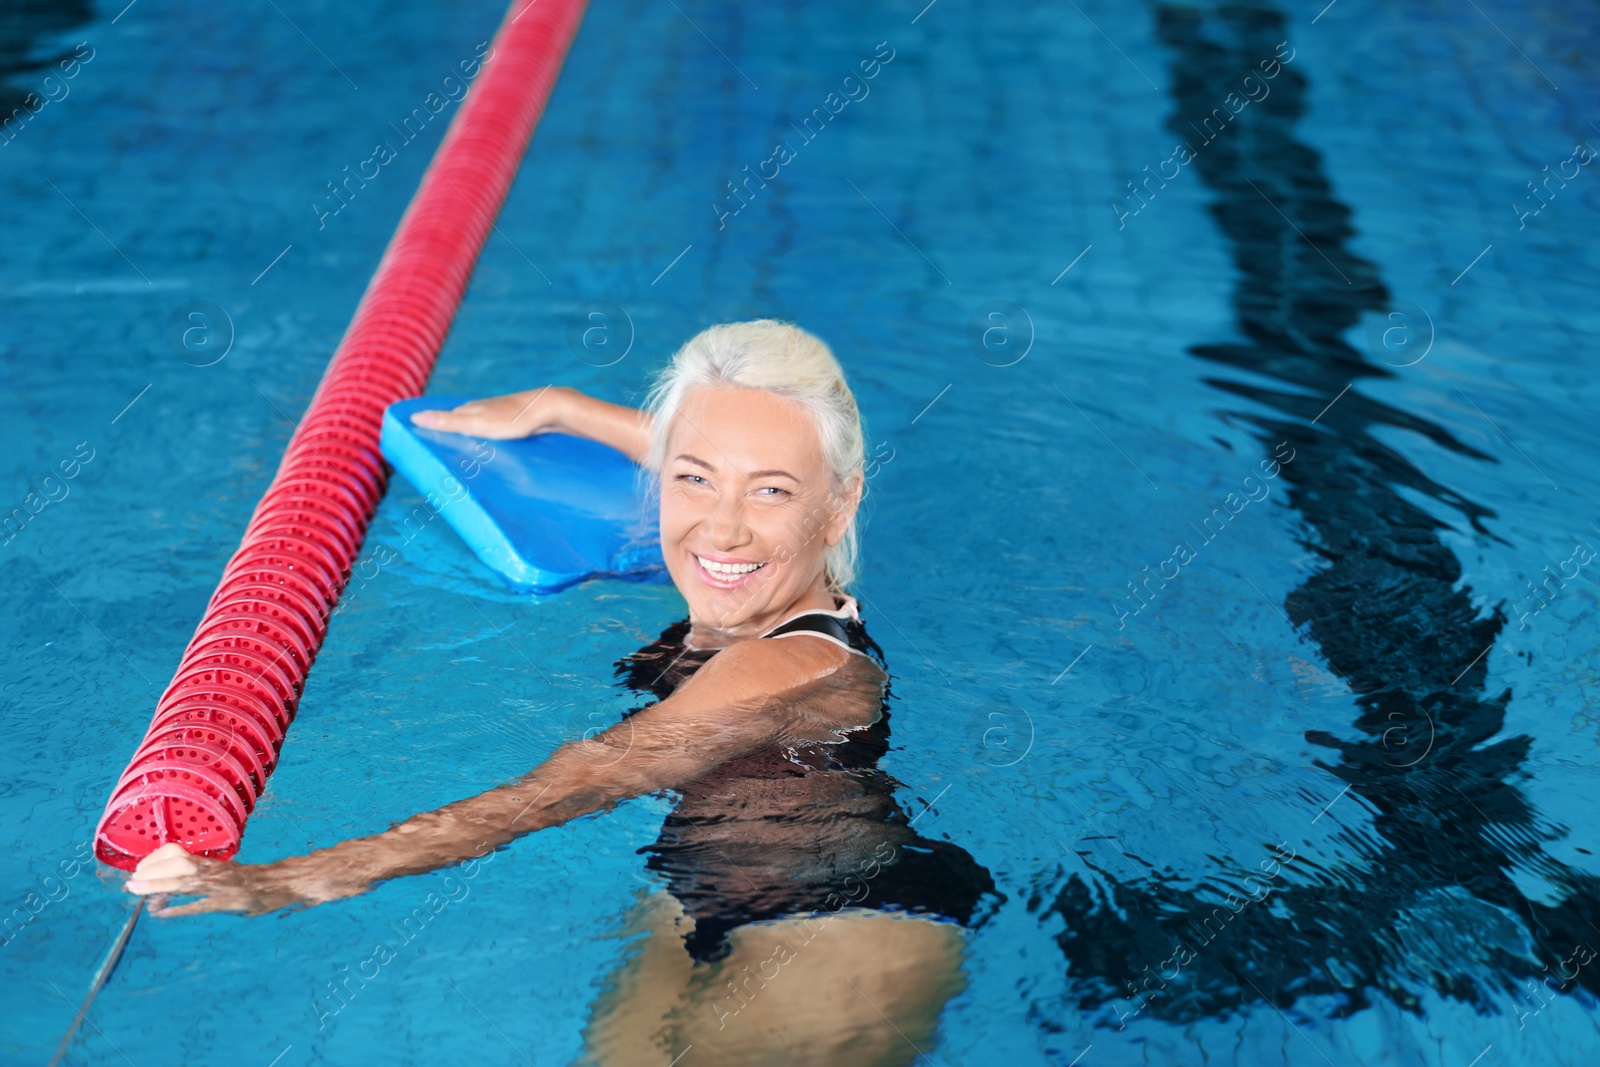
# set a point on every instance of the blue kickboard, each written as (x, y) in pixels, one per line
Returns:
(544, 512)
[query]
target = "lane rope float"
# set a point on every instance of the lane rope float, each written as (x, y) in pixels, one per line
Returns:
(219, 725)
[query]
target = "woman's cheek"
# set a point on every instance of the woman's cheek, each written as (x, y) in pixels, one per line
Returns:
(672, 533)
(783, 539)
(673, 511)
(680, 516)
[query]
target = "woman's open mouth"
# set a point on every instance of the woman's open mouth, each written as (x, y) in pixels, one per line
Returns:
(726, 574)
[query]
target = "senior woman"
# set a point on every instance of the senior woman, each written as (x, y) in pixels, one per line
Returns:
(802, 919)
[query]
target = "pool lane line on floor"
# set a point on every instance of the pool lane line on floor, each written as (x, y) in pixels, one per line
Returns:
(1389, 609)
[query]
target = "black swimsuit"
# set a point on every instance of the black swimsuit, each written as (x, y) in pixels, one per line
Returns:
(801, 829)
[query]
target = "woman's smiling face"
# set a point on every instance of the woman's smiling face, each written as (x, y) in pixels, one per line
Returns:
(748, 509)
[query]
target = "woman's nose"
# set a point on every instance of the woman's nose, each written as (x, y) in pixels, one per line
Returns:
(727, 524)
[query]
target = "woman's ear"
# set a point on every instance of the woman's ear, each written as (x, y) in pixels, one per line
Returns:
(842, 505)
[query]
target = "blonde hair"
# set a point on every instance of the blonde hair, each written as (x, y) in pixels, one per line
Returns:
(779, 358)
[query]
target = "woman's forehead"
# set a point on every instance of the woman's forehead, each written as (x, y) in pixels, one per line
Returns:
(746, 428)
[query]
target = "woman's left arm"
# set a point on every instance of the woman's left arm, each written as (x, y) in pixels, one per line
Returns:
(745, 696)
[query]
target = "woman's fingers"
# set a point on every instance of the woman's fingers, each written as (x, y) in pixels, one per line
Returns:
(498, 417)
(185, 883)
(171, 878)
(475, 422)
(197, 907)
(169, 869)
(454, 421)
(221, 886)
(170, 850)
(166, 864)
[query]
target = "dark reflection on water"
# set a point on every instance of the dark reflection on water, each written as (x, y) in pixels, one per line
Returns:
(25, 60)
(1431, 903)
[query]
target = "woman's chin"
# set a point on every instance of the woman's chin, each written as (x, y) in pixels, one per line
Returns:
(726, 608)
(724, 611)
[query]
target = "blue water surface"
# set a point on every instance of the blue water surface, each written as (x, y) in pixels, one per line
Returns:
(1228, 535)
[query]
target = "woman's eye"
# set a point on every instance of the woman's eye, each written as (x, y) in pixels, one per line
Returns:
(773, 490)
(693, 479)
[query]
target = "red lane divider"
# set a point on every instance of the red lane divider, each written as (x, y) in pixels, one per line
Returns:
(218, 727)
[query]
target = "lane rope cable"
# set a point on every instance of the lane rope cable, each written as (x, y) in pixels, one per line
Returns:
(101, 975)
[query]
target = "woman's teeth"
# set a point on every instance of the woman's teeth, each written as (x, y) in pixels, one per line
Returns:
(728, 570)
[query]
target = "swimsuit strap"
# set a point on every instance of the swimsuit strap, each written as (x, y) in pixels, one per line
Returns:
(842, 626)
(815, 622)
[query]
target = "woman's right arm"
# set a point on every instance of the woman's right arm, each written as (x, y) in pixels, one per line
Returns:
(750, 694)
(552, 409)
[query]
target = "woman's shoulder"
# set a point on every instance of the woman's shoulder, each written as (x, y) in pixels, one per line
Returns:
(666, 664)
(753, 668)
(824, 686)
(839, 638)
(816, 687)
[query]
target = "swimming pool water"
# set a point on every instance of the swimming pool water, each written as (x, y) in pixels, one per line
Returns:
(1235, 581)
